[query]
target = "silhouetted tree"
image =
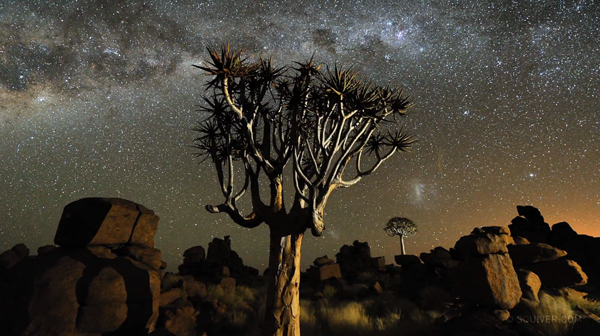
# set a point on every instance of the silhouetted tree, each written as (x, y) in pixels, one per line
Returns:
(261, 119)
(401, 226)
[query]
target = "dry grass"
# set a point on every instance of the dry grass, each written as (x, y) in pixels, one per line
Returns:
(396, 317)
(553, 316)
(591, 305)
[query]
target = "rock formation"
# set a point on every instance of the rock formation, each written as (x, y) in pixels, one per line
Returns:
(103, 278)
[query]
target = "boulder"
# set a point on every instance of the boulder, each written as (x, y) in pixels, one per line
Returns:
(439, 257)
(11, 257)
(378, 263)
(45, 249)
(520, 240)
(407, 259)
(497, 230)
(480, 242)
(150, 257)
(530, 224)
(330, 271)
(194, 254)
(106, 221)
(181, 321)
(489, 281)
(558, 273)
(533, 253)
(228, 283)
(320, 261)
(193, 288)
(171, 295)
(355, 258)
(530, 284)
(75, 292)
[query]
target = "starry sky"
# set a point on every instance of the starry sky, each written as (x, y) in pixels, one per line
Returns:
(98, 98)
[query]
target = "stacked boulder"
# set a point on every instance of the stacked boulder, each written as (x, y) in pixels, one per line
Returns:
(486, 275)
(219, 263)
(103, 278)
(323, 269)
(356, 258)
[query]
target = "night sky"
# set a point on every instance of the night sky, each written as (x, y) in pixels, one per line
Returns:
(98, 98)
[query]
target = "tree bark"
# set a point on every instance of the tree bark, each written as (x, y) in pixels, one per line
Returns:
(403, 252)
(282, 316)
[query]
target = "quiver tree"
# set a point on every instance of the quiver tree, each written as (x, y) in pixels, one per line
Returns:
(259, 120)
(401, 226)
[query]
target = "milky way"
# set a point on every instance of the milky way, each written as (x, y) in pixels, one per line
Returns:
(98, 98)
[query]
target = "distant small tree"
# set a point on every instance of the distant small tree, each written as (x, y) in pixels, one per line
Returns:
(403, 227)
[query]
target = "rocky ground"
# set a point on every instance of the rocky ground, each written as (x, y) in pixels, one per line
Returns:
(104, 277)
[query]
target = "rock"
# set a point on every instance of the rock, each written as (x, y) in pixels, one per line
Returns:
(330, 271)
(112, 317)
(195, 288)
(482, 243)
(558, 273)
(22, 250)
(520, 240)
(488, 280)
(11, 257)
(170, 280)
(533, 253)
(501, 314)
(106, 221)
(45, 249)
(377, 288)
(530, 225)
(169, 296)
(378, 263)
(497, 230)
(355, 258)
(194, 254)
(405, 260)
(105, 288)
(147, 256)
(181, 321)
(530, 213)
(320, 261)
(8, 259)
(439, 257)
(563, 230)
(163, 265)
(228, 283)
(561, 234)
(441, 253)
(530, 284)
(101, 251)
(75, 292)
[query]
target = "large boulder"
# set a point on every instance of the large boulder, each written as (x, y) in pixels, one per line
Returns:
(533, 253)
(530, 224)
(11, 257)
(407, 259)
(488, 280)
(558, 273)
(530, 284)
(194, 255)
(356, 258)
(483, 241)
(330, 271)
(80, 291)
(106, 221)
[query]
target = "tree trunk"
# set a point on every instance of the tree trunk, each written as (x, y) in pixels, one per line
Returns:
(403, 252)
(282, 316)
